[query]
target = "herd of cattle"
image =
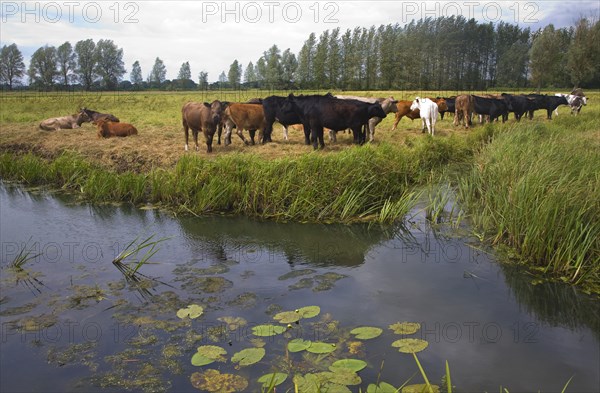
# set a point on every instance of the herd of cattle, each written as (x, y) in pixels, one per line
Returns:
(314, 114)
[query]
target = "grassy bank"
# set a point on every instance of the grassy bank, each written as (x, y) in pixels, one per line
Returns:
(536, 189)
(376, 183)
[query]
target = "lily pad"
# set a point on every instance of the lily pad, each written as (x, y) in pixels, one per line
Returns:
(233, 323)
(272, 379)
(192, 311)
(287, 317)
(248, 356)
(208, 354)
(410, 345)
(366, 332)
(298, 345)
(342, 376)
(321, 347)
(309, 311)
(214, 381)
(383, 387)
(267, 330)
(421, 387)
(355, 365)
(405, 327)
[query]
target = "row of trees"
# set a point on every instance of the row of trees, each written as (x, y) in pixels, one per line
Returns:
(88, 64)
(445, 53)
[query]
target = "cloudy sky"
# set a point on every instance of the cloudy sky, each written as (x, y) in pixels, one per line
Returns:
(211, 34)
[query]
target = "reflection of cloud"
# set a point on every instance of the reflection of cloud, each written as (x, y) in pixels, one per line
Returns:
(211, 34)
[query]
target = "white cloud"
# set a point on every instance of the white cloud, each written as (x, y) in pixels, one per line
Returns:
(211, 34)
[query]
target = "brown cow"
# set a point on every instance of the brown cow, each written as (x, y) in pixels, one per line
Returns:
(203, 117)
(404, 110)
(107, 129)
(464, 108)
(65, 122)
(249, 117)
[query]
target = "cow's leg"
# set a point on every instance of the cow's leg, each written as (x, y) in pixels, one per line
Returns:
(209, 139)
(219, 132)
(240, 133)
(195, 134)
(285, 133)
(228, 131)
(396, 121)
(332, 135)
(423, 124)
(307, 134)
(549, 114)
(456, 117)
(433, 121)
(252, 135)
(185, 130)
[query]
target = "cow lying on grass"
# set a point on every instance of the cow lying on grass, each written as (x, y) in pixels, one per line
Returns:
(107, 129)
(65, 122)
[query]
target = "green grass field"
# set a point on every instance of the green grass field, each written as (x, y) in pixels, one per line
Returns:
(532, 185)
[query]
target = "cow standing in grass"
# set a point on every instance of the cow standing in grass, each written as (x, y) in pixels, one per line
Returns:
(428, 111)
(65, 122)
(108, 129)
(387, 104)
(243, 117)
(203, 117)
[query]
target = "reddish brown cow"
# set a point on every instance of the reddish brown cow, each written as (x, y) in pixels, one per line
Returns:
(249, 117)
(107, 129)
(203, 117)
(404, 110)
(465, 106)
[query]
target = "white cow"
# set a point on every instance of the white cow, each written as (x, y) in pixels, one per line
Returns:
(575, 102)
(428, 111)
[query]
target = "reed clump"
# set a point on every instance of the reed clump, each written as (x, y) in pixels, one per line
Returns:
(536, 189)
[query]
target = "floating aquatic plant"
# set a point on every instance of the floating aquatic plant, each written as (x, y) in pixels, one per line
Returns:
(355, 365)
(410, 345)
(366, 332)
(321, 347)
(267, 330)
(213, 381)
(192, 311)
(272, 379)
(405, 327)
(382, 387)
(248, 356)
(208, 354)
(298, 345)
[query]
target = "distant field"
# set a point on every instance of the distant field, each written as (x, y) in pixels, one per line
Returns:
(157, 116)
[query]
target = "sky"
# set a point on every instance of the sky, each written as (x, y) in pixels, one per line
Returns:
(212, 34)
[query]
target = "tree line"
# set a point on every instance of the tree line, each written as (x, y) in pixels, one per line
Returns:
(444, 53)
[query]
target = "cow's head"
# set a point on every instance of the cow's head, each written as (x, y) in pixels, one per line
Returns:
(416, 104)
(82, 117)
(375, 110)
(216, 111)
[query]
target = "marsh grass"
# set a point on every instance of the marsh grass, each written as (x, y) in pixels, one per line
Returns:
(536, 190)
(25, 255)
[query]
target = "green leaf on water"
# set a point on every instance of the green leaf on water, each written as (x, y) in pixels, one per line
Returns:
(405, 327)
(421, 387)
(287, 317)
(410, 345)
(366, 332)
(208, 354)
(233, 323)
(298, 345)
(342, 376)
(272, 379)
(321, 347)
(309, 311)
(355, 365)
(199, 360)
(248, 356)
(212, 351)
(268, 330)
(383, 387)
(192, 311)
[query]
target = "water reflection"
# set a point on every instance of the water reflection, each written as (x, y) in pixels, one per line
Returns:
(554, 303)
(321, 245)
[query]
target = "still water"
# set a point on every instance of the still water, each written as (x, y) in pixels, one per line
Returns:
(72, 322)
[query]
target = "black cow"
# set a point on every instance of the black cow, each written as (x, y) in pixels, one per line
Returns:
(450, 103)
(543, 101)
(318, 111)
(519, 105)
(272, 107)
(493, 107)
